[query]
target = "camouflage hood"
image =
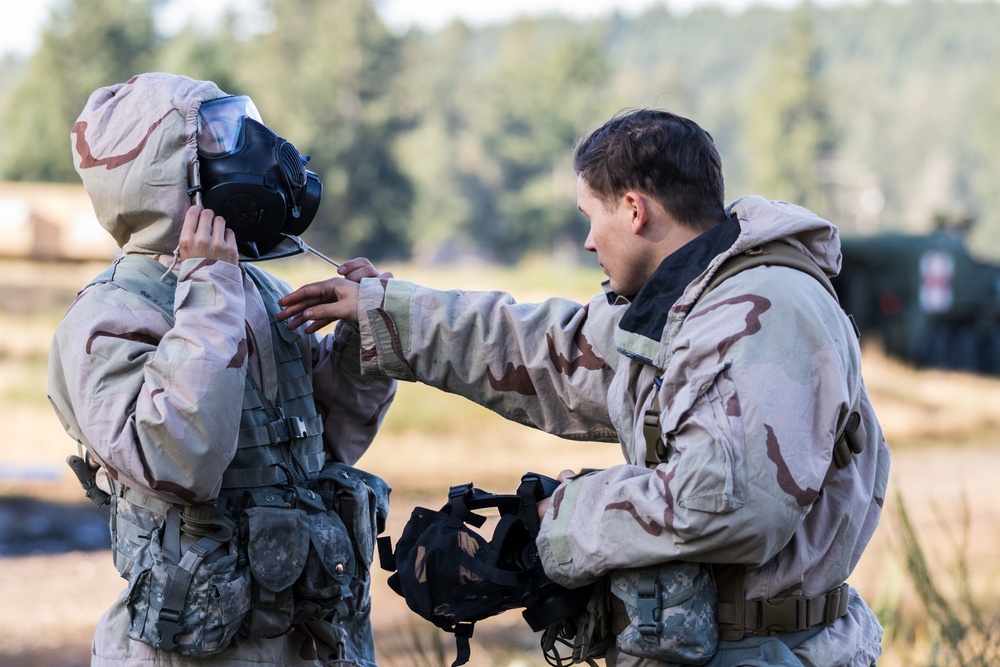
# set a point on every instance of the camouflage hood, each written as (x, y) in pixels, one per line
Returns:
(762, 221)
(135, 147)
(657, 312)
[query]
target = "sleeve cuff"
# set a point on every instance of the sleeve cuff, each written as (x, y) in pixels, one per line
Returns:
(384, 319)
(553, 537)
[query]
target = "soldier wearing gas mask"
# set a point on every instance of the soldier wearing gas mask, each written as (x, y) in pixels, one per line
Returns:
(225, 443)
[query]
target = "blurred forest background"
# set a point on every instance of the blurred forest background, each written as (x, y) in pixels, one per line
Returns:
(455, 143)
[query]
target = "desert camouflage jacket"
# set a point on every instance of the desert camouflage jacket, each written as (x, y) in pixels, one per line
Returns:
(160, 405)
(752, 384)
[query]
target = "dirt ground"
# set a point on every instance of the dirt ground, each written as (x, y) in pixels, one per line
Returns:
(944, 430)
(51, 603)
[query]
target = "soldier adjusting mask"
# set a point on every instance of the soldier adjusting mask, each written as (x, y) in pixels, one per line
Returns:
(252, 177)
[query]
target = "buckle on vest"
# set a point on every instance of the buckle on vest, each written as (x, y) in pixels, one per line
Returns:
(296, 427)
(169, 627)
(648, 606)
(286, 428)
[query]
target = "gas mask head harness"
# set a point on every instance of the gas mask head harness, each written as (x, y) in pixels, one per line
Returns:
(252, 177)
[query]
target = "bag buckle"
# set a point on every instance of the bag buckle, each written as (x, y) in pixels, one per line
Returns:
(340, 659)
(168, 625)
(836, 604)
(648, 606)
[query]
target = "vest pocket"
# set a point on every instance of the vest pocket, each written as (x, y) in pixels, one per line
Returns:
(361, 499)
(302, 565)
(666, 612)
(705, 427)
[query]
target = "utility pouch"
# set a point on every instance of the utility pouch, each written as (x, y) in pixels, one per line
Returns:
(361, 499)
(302, 565)
(666, 612)
(186, 595)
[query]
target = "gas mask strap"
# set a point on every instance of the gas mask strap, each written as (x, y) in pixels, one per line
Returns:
(289, 161)
(194, 182)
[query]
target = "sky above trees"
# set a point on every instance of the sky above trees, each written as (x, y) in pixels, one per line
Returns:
(23, 21)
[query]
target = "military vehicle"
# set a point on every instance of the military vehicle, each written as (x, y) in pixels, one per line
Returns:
(925, 298)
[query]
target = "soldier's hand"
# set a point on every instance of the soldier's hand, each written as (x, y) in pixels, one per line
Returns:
(543, 504)
(205, 235)
(319, 304)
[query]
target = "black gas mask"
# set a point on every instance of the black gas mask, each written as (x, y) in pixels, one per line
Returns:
(252, 177)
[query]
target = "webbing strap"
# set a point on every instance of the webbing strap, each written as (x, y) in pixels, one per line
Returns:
(250, 478)
(144, 500)
(656, 451)
(850, 440)
(463, 632)
(794, 613)
(775, 253)
(180, 571)
(737, 616)
(280, 430)
(143, 275)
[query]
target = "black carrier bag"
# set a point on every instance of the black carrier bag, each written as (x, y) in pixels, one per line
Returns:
(453, 577)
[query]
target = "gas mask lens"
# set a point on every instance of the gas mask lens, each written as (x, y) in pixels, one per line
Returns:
(220, 123)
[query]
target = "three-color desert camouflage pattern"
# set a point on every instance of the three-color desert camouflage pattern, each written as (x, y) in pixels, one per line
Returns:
(755, 381)
(158, 402)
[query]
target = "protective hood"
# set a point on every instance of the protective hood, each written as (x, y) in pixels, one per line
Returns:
(135, 148)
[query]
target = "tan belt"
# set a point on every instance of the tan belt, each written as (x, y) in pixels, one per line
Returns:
(794, 613)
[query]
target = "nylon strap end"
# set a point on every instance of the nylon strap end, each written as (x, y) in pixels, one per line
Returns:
(88, 480)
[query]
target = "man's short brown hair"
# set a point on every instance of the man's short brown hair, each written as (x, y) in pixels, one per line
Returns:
(661, 155)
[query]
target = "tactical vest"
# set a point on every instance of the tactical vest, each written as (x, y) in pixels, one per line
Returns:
(291, 536)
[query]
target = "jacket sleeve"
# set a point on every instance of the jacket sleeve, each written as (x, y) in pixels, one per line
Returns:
(761, 377)
(153, 400)
(544, 365)
(353, 406)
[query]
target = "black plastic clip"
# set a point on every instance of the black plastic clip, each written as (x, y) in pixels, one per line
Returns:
(648, 605)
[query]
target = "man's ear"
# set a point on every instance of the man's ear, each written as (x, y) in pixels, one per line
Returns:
(637, 205)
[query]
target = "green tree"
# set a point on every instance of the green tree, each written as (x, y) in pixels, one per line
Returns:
(86, 44)
(981, 152)
(442, 154)
(543, 93)
(789, 133)
(323, 77)
(206, 55)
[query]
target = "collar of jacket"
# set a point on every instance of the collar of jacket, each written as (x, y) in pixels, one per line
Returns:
(640, 329)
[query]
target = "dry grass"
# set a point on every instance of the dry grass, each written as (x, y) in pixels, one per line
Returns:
(944, 429)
